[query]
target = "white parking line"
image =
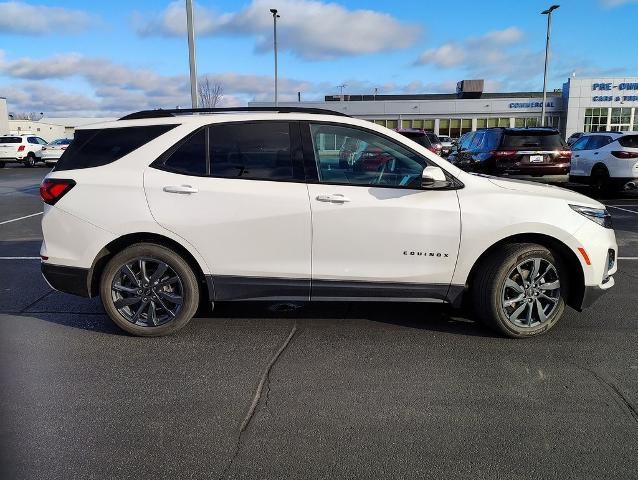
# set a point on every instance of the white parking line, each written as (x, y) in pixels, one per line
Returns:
(627, 258)
(19, 258)
(623, 209)
(21, 218)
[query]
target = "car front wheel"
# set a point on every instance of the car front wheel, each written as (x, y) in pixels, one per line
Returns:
(518, 290)
(149, 290)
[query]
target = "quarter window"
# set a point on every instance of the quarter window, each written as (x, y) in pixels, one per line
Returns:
(190, 157)
(364, 158)
(256, 151)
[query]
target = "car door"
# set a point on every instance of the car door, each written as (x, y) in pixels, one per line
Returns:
(590, 155)
(242, 202)
(377, 234)
(578, 153)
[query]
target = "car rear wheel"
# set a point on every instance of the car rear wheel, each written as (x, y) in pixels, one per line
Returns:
(30, 160)
(518, 290)
(149, 290)
(600, 180)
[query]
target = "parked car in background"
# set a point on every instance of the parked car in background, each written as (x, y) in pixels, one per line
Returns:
(51, 153)
(20, 148)
(446, 145)
(608, 161)
(573, 137)
(426, 139)
(537, 154)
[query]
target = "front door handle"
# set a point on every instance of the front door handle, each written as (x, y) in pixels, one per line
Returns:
(576, 156)
(183, 189)
(333, 198)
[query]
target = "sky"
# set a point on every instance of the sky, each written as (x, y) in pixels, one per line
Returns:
(104, 58)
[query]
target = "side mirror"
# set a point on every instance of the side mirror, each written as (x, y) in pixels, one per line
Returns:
(434, 177)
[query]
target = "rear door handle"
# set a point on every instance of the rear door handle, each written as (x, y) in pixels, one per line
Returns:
(333, 198)
(183, 189)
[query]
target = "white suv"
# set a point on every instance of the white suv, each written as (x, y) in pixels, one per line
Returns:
(20, 148)
(161, 207)
(608, 161)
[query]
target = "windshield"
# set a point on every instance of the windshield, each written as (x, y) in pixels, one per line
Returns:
(10, 140)
(418, 137)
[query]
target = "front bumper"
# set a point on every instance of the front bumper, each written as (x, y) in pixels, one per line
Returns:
(73, 280)
(593, 293)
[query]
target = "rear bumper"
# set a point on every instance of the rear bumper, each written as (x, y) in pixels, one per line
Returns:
(73, 280)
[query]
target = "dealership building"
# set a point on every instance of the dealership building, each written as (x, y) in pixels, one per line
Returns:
(582, 105)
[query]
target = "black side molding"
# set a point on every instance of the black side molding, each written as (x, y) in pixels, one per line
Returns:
(73, 280)
(236, 288)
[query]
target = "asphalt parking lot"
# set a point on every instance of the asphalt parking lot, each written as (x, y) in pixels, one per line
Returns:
(359, 391)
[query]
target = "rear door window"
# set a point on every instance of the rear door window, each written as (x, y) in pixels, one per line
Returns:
(254, 151)
(522, 140)
(597, 141)
(10, 140)
(94, 148)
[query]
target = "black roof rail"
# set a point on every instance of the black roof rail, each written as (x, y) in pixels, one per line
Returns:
(162, 113)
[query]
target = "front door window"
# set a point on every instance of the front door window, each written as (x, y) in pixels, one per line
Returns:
(352, 156)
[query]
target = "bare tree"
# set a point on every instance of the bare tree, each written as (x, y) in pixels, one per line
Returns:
(26, 116)
(210, 93)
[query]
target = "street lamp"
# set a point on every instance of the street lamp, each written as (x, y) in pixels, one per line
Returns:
(547, 12)
(191, 51)
(274, 20)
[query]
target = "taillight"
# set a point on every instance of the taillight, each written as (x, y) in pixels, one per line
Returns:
(53, 189)
(503, 153)
(21, 148)
(565, 154)
(624, 154)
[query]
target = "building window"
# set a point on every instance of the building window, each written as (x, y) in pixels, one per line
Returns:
(620, 119)
(417, 123)
(596, 119)
(380, 122)
(428, 125)
(635, 119)
(519, 122)
(392, 124)
(481, 123)
(406, 123)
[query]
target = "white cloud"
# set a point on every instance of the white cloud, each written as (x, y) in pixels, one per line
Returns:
(309, 28)
(616, 3)
(25, 19)
(488, 49)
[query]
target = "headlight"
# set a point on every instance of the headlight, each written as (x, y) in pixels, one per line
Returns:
(599, 215)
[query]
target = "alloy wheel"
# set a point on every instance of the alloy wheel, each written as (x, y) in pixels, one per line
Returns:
(147, 292)
(531, 293)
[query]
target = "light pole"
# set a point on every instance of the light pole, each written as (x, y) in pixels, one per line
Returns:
(274, 20)
(547, 12)
(191, 51)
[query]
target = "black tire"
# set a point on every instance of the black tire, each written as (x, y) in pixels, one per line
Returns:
(599, 181)
(29, 162)
(489, 290)
(188, 289)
